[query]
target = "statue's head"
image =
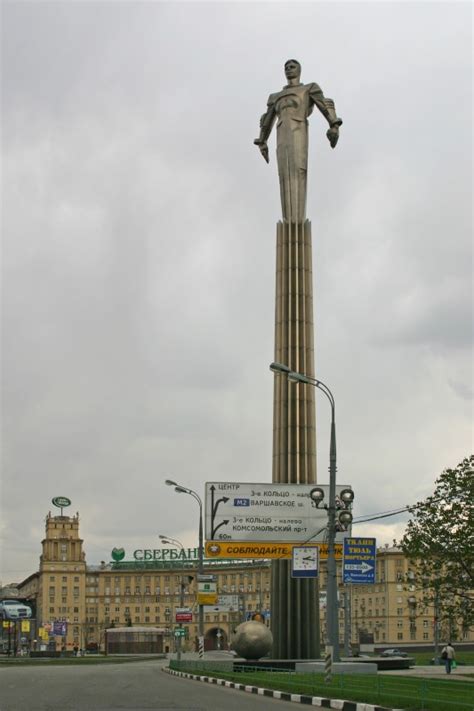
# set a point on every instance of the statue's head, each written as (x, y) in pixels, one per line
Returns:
(292, 69)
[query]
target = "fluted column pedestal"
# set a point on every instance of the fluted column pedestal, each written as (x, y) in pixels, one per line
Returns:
(295, 611)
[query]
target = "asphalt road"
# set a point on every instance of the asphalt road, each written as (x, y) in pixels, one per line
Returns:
(138, 686)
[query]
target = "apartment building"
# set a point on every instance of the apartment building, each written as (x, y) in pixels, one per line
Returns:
(82, 601)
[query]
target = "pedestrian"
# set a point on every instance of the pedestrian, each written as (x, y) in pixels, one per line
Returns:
(447, 655)
(75, 649)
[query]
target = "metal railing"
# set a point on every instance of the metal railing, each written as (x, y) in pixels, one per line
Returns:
(392, 691)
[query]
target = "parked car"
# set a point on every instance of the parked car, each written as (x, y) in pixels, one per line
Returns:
(393, 653)
(14, 610)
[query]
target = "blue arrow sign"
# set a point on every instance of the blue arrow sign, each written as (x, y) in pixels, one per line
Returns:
(359, 560)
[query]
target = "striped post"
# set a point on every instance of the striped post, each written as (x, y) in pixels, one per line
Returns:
(201, 647)
(328, 666)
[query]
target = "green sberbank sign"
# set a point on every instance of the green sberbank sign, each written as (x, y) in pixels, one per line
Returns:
(164, 554)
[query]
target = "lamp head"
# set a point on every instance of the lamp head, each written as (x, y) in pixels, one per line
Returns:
(345, 519)
(279, 368)
(168, 482)
(317, 495)
(347, 497)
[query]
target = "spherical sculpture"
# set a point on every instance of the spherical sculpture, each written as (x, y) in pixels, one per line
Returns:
(252, 640)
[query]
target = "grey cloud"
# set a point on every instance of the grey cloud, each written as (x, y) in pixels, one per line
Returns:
(138, 253)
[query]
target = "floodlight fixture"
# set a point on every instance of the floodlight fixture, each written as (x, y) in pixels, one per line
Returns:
(317, 495)
(347, 497)
(345, 518)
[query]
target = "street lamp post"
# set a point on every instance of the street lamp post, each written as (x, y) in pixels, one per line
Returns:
(185, 490)
(174, 541)
(331, 607)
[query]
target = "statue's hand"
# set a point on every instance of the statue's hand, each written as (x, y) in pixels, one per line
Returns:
(333, 135)
(263, 148)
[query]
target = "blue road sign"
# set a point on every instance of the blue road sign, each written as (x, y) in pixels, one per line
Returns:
(359, 560)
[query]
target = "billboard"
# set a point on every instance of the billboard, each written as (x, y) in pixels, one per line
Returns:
(265, 512)
(255, 549)
(359, 560)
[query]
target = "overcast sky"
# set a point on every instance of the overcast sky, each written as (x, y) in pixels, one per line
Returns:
(139, 256)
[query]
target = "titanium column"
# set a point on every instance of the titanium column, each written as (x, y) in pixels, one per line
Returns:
(295, 609)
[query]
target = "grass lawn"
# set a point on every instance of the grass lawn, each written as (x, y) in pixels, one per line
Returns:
(425, 657)
(391, 691)
(82, 661)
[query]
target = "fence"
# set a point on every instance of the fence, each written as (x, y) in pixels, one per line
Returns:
(386, 690)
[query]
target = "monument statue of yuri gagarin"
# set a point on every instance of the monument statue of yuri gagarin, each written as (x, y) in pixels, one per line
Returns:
(291, 107)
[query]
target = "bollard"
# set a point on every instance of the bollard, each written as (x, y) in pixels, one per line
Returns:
(328, 667)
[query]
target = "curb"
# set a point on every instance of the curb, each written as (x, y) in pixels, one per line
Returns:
(338, 704)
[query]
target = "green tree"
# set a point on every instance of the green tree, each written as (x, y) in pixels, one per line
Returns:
(439, 542)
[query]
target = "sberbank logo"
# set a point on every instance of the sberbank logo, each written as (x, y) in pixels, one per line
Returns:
(118, 554)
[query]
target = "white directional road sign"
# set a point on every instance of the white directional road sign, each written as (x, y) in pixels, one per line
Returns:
(265, 512)
(225, 603)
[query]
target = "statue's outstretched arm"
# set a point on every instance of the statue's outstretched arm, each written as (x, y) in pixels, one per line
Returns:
(266, 124)
(328, 110)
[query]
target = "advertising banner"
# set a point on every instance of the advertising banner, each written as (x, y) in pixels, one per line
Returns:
(265, 512)
(255, 549)
(25, 625)
(359, 560)
(60, 628)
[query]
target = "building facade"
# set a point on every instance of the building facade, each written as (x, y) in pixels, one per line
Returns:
(82, 601)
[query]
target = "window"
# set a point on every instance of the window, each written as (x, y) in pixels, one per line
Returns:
(52, 578)
(399, 635)
(425, 635)
(425, 623)
(137, 609)
(147, 619)
(400, 624)
(76, 578)
(399, 610)
(51, 610)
